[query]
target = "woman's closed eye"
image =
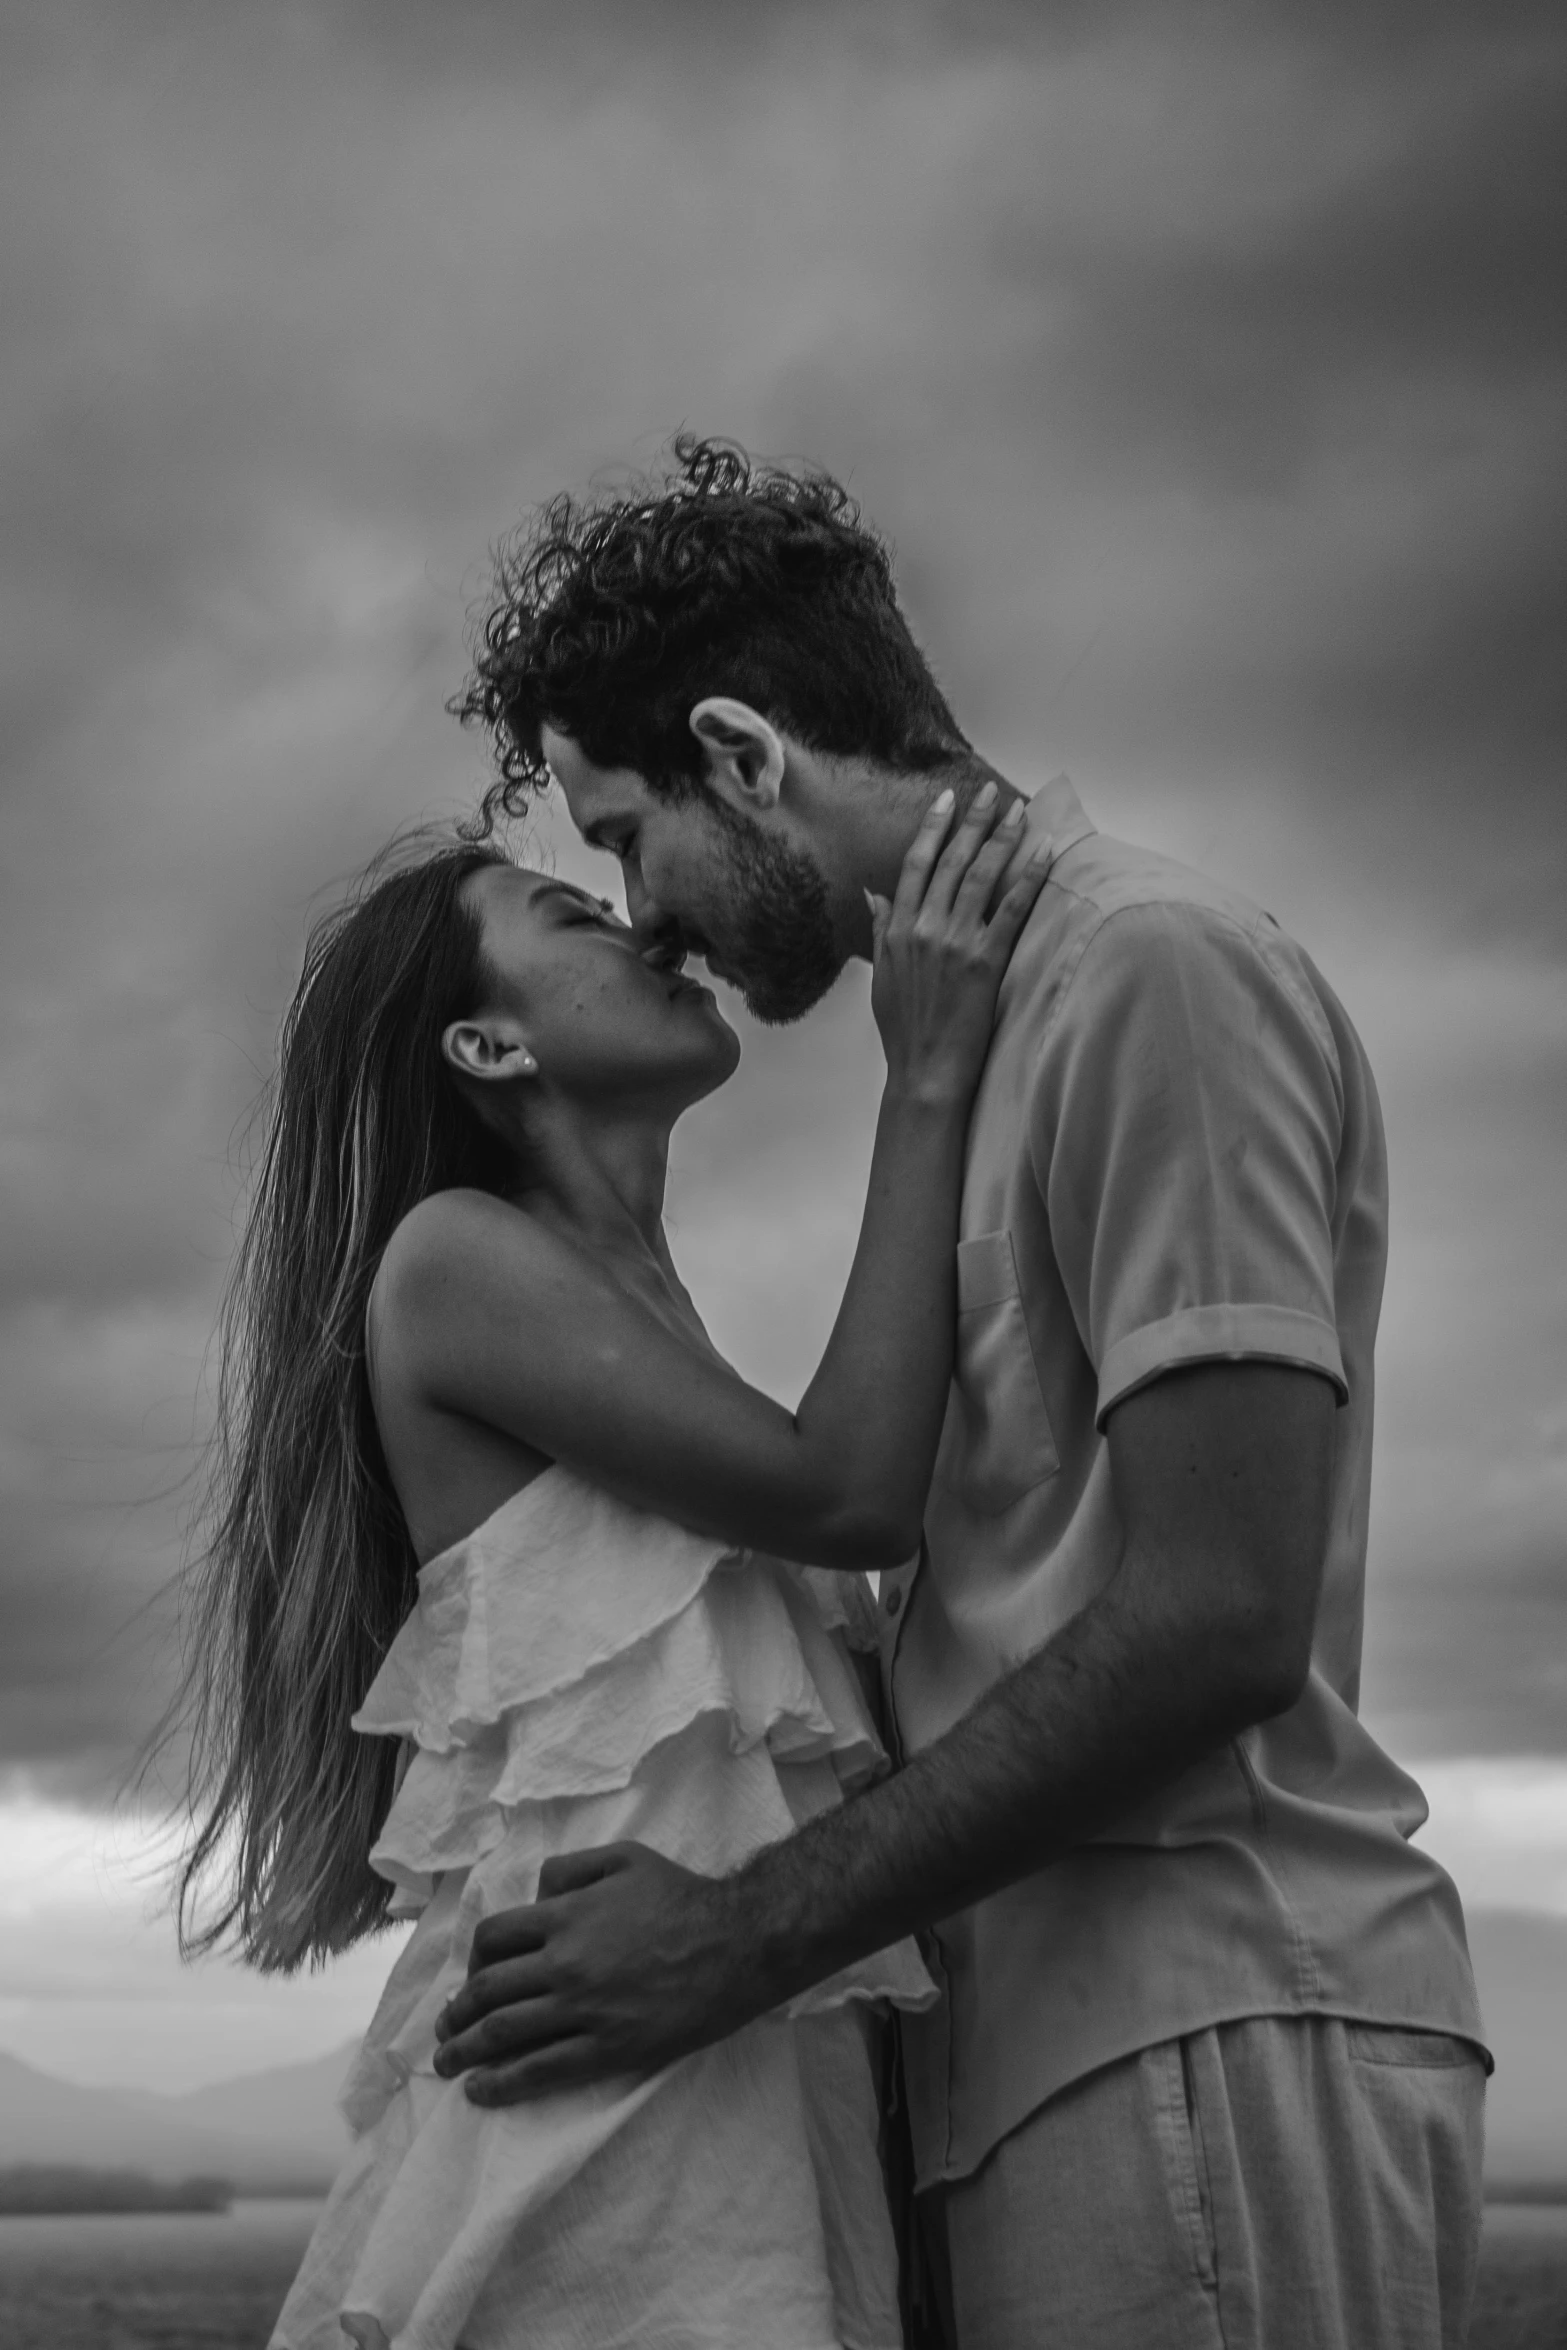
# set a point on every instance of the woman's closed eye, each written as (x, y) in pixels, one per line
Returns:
(596, 914)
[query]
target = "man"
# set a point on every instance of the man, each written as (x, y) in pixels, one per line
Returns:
(1208, 2066)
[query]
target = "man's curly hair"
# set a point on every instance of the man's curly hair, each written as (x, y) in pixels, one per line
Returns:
(611, 616)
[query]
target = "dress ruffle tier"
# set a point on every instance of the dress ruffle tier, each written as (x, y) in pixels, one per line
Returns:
(575, 1673)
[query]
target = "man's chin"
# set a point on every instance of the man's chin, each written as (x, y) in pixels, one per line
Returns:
(777, 1003)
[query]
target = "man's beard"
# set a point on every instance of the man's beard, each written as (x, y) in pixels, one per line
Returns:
(778, 942)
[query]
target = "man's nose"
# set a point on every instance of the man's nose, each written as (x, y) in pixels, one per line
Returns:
(656, 932)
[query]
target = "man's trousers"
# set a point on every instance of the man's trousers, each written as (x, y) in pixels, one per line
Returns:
(1282, 2183)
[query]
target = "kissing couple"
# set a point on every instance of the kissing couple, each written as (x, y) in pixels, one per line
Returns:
(1062, 1858)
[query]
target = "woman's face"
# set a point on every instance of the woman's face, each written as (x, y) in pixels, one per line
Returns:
(602, 1018)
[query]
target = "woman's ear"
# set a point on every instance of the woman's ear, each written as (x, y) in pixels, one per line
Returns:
(745, 753)
(492, 1050)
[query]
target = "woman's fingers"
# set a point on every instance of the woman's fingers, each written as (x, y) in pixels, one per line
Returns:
(941, 957)
(949, 871)
(964, 845)
(923, 851)
(1017, 903)
(957, 879)
(977, 886)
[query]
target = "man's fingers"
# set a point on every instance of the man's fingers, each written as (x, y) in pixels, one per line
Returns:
(514, 1933)
(565, 2066)
(515, 2029)
(493, 1987)
(568, 1872)
(923, 851)
(511, 1933)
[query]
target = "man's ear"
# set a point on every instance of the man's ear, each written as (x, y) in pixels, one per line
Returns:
(745, 753)
(490, 1049)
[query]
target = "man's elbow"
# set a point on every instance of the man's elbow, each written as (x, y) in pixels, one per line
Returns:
(1263, 1664)
(1275, 1687)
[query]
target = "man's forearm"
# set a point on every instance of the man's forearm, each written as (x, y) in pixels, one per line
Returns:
(1113, 1707)
(627, 1961)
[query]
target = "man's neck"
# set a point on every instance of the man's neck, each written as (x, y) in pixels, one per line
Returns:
(863, 819)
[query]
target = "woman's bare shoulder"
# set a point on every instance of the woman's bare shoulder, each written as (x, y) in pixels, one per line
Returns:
(447, 1225)
(484, 1310)
(458, 1242)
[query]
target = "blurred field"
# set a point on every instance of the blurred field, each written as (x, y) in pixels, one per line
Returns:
(216, 2282)
(1521, 2303)
(188, 2282)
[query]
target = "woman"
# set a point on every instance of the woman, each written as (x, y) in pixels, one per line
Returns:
(478, 1457)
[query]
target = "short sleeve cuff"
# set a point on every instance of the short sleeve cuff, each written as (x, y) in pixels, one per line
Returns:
(1219, 1334)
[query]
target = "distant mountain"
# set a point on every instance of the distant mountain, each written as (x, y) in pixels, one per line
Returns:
(296, 2105)
(267, 2132)
(1520, 1962)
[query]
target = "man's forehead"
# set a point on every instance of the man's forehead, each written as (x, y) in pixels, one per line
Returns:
(594, 795)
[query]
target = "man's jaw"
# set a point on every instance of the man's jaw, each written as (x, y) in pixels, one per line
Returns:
(776, 998)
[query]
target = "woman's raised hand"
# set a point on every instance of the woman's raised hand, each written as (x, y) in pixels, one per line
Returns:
(942, 945)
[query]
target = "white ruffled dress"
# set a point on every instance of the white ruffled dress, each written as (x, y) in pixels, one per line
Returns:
(576, 1672)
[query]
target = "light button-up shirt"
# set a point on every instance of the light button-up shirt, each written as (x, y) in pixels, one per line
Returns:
(1175, 1156)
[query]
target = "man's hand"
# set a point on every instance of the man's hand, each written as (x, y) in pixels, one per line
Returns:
(623, 1963)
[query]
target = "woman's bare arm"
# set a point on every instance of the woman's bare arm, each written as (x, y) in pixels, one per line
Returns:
(504, 1321)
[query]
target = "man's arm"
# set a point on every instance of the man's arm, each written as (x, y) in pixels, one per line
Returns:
(1222, 1476)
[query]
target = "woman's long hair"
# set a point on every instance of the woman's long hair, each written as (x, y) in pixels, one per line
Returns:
(303, 1570)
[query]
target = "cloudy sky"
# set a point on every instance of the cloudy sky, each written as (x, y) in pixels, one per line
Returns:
(1206, 367)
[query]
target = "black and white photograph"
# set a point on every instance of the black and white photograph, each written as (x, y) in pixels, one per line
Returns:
(783, 1098)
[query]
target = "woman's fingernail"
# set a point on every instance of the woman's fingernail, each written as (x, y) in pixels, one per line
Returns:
(942, 802)
(1014, 814)
(985, 794)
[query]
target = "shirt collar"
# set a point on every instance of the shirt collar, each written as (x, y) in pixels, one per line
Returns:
(1055, 814)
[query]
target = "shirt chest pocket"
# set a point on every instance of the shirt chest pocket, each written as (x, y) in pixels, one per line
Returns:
(1005, 1446)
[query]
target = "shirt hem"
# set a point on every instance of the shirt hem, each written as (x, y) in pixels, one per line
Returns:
(956, 2166)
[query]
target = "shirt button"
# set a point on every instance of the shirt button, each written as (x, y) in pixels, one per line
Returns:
(894, 1601)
